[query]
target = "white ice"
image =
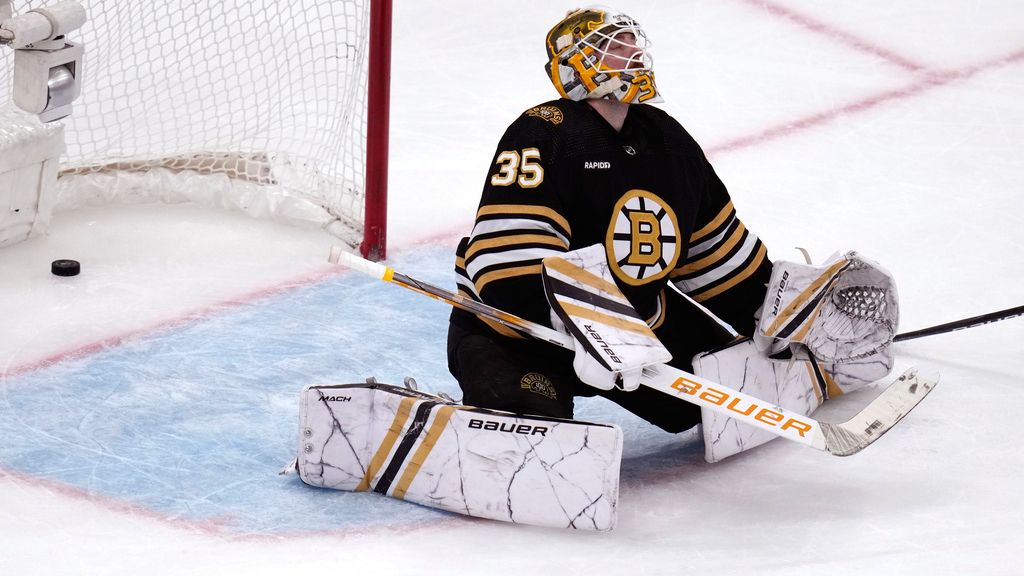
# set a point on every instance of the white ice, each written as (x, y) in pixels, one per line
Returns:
(890, 128)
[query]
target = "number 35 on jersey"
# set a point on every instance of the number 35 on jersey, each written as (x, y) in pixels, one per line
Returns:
(519, 167)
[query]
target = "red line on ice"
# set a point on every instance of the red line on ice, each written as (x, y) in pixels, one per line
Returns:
(219, 527)
(119, 339)
(929, 81)
(840, 36)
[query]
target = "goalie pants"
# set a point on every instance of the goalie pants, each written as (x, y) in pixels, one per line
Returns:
(532, 377)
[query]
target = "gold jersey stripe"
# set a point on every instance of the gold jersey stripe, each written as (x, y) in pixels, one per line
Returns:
(714, 224)
(580, 275)
(513, 210)
(638, 326)
(801, 300)
(435, 431)
(504, 273)
(512, 240)
(401, 416)
(762, 252)
(713, 258)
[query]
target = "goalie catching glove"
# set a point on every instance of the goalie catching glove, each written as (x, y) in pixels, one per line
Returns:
(824, 330)
(845, 312)
(612, 343)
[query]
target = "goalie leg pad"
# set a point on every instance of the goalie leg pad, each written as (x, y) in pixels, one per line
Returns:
(483, 463)
(796, 384)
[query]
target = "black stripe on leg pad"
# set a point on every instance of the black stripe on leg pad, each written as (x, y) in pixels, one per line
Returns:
(398, 459)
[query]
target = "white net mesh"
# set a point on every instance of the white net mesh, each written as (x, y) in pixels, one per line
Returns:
(262, 103)
(858, 322)
(865, 302)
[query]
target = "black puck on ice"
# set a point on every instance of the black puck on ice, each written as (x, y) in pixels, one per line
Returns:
(65, 267)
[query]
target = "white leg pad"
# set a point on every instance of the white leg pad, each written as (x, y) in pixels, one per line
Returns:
(484, 463)
(791, 384)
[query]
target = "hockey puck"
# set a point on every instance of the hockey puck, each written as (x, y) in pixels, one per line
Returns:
(65, 267)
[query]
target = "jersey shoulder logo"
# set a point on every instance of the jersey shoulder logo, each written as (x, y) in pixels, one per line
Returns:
(643, 238)
(548, 113)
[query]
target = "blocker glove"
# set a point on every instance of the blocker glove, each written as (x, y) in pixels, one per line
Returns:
(612, 343)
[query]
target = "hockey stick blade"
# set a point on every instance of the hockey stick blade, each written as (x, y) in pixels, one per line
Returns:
(840, 439)
(878, 417)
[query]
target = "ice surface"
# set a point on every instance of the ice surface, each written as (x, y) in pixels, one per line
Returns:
(147, 404)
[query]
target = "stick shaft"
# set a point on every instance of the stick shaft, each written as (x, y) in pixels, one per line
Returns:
(838, 438)
(672, 381)
(388, 274)
(962, 324)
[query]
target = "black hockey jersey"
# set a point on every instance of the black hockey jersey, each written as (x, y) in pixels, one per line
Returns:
(563, 178)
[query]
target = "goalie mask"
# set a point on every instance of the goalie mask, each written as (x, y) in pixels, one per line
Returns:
(597, 53)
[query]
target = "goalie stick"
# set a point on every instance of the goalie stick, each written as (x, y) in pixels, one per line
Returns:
(837, 438)
(962, 324)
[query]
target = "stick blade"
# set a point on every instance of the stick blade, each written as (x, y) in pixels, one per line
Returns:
(878, 417)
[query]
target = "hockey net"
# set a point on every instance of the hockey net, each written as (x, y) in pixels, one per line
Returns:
(255, 106)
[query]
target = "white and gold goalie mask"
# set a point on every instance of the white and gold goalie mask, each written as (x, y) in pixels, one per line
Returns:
(597, 53)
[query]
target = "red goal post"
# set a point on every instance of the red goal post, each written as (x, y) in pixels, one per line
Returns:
(375, 228)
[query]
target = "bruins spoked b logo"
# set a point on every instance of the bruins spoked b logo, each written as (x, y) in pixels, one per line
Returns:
(643, 238)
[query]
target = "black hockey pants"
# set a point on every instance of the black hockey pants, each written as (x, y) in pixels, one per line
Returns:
(533, 377)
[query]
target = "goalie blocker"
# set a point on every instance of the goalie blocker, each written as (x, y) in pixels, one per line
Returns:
(484, 463)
